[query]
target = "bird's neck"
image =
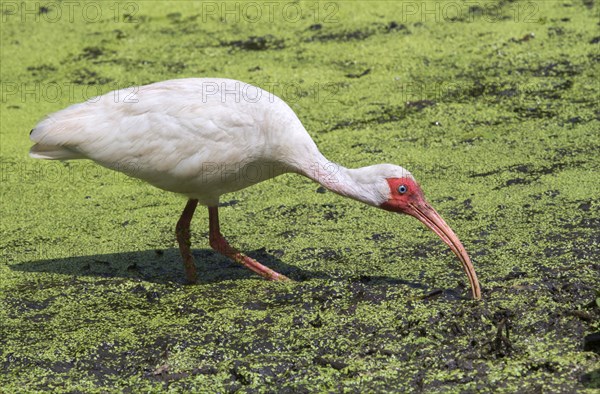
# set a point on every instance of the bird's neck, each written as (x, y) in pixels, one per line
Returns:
(347, 182)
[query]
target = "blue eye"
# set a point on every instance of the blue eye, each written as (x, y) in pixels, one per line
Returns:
(402, 189)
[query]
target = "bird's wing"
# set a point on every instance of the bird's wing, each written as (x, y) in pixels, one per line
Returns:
(155, 129)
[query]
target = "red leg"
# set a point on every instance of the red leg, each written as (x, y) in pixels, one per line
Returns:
(183, 238)
(220, 244)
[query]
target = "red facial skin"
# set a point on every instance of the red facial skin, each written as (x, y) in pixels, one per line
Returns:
(401, 202)
(412, 202)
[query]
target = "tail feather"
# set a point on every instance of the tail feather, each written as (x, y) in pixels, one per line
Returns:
(53, 152)
(57, 135)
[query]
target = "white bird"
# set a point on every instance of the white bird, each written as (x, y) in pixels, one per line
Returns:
(204, 137)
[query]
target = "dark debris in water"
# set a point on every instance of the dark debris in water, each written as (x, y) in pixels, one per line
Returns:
(86, 76)
(257, 43)
(591, 343)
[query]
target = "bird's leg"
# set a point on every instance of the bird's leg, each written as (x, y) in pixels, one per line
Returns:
(183, 238)
(220, 244)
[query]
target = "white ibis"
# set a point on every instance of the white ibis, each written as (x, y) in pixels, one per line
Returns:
(204, 137)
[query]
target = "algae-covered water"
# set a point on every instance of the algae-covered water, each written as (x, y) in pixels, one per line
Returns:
(493, 106)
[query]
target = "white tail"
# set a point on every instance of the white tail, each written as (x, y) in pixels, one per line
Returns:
(53, 152)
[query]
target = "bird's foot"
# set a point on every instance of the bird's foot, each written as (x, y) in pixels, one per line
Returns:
(191, 274)
(220, 244)
(257, 267)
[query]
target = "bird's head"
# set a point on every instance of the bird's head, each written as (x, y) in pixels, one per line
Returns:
(404, 195)
(394, 189)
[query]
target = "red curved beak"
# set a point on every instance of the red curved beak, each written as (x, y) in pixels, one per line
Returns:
(429, 217)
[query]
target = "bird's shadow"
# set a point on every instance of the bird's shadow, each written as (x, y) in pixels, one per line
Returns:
(159, 266)
(165, 266)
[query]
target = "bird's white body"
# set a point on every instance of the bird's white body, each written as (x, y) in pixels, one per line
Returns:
(200, 137)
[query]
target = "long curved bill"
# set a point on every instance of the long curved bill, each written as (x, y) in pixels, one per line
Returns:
(429, 217)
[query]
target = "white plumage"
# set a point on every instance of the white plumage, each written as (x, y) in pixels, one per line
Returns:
(204, 137)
